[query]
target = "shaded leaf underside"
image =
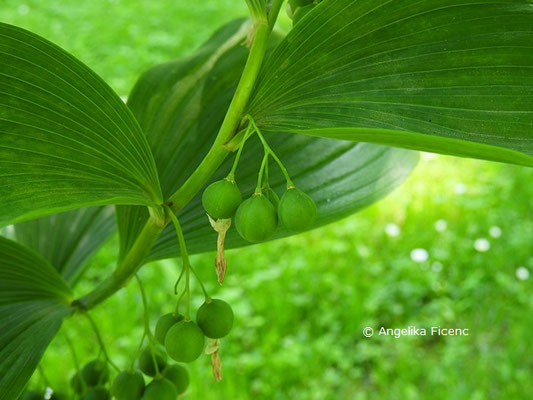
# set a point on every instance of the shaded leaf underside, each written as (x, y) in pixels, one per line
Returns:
(33, 302)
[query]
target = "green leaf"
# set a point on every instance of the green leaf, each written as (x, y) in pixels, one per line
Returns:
(341, 176)
(68, 240)
(444, 76)
(66, 139)
(33, 302)
(180, 105)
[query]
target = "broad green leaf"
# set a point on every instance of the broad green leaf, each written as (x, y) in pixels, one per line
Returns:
(341, 176)
(66, 139)
(444, 76)
(33, 302)
(68, 240)
(180, 106)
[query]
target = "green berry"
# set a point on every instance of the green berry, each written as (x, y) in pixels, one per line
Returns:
(146, 361)
(95, 373)
(215, 318)
(163, 325)
(32, 395)
(77, 384)
(221, 199)
(160, 389)
(184, 341)
(297, 211)
(179, 376)
(271, 196)
(128, 385)
(97, 393)
(256, 219)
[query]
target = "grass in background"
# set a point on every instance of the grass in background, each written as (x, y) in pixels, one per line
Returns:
(451, 247)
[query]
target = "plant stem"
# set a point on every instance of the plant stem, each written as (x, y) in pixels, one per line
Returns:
(268, 150)
(200, 282)
(100, 341)
(258, 189)
(146, 319)
(43, 376)
(231, 175)
(128, 267)
(274, 11)
(75, 359)
(212, 160)
(186, 261)
(218, 152)
(138, 351)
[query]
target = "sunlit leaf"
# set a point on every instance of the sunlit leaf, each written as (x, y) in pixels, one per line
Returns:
(341, 176)
(66, 139)
(444, 76)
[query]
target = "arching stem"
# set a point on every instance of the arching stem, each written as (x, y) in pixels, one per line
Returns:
(147, 330)
(100, 341)
(268, 150)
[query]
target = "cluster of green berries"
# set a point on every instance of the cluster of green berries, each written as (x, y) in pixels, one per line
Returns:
(297, 9)
(184, 340)
(257, 217)
(90, 383)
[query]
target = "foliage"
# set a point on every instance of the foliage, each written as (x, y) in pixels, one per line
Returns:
(437, 76)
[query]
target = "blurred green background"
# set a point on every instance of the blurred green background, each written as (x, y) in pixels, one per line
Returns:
(452, 247)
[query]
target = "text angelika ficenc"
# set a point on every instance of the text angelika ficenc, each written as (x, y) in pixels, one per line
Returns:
(415, 331)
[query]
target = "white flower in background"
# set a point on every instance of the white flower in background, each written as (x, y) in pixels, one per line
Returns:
(441, 225)
(460, 188)
(392, 230)
(482, 245)
(522, 273)
(419, 255)
(436, 266)
(495, 231)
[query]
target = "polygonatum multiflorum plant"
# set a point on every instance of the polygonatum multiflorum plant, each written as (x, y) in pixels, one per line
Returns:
(256, 136)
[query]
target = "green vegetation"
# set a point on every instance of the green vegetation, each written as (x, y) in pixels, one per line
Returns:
(300, 304)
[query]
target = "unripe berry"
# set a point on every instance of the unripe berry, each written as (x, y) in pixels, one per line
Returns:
(128, 385)
(221, 199)
(297, 211)
(215, 318)
(160, 389)
(96, 393)
(184, 341)
(95, 373)
(256, 219)
(163, 325)
(146, 361)
(179, 376)
(77, 383)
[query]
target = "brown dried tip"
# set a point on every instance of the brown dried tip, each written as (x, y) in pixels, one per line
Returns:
(212, 348)
(221, 226)
(216, 365)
